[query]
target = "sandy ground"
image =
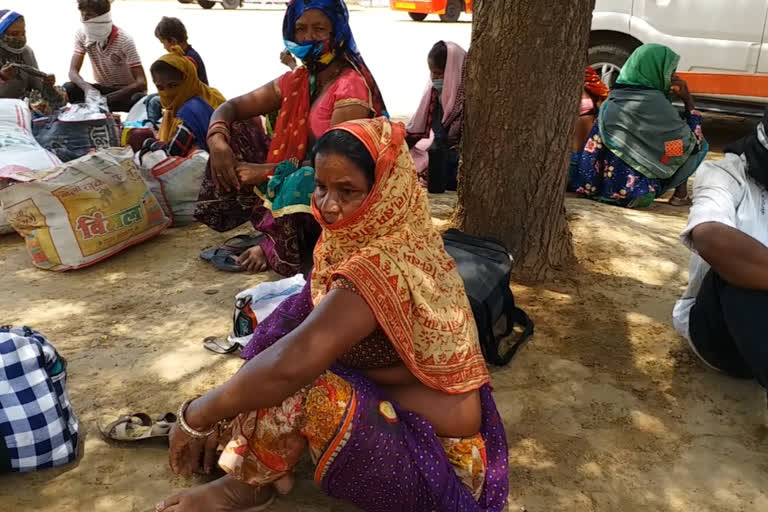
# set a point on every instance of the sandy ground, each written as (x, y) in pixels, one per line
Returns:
(605, 410)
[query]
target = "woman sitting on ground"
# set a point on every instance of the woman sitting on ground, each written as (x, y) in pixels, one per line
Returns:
(333, 86)
(19, 75)
(640, 147)
(394, 403)
(188, 106)
(434, 132)
(592, 97)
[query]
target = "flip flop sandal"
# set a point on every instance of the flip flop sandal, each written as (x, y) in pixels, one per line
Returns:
(241, 243)
(219, 345)
(226, 261)
(138, 427)
(680, 201)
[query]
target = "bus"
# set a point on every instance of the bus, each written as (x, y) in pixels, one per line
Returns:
(418, 10)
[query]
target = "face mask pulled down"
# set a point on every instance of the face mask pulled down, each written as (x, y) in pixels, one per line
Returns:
(315, 55)
(98, 29)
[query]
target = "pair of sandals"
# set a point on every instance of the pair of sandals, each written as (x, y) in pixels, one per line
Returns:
(225, 257)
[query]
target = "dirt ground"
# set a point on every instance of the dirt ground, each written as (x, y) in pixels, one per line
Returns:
(605, 410)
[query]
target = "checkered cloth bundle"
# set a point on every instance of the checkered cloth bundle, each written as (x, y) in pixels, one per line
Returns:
(38, 428)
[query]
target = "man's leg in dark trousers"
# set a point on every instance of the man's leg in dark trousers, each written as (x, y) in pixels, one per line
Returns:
(729, 328)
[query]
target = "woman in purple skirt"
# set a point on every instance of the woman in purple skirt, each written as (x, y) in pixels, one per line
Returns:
(375, 368)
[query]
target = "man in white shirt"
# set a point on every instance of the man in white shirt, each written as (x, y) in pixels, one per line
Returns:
(724, 311)
(116, 64)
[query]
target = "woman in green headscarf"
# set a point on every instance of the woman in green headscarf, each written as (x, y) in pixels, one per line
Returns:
(640, 146)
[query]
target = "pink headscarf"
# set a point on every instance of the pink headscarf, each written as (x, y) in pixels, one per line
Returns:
(452, 100)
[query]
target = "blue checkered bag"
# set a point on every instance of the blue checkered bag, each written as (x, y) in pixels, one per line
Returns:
(38, 428)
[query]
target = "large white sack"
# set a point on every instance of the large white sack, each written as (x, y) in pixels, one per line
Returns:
(19, 151)
(176, 181)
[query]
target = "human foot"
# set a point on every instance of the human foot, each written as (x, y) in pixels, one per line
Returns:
(223, 495)
(253, 260)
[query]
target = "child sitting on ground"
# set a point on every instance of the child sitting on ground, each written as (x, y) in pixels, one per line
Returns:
(172, 32)
(116, 64)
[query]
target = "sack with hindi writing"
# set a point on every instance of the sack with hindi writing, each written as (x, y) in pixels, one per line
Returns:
(70, 134)
(84, 211)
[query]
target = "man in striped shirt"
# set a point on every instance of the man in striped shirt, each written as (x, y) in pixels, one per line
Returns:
(119, 75)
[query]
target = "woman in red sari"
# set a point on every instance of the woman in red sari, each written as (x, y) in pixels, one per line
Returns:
(333, 86)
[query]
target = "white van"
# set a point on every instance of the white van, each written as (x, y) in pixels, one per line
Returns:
(723, 45)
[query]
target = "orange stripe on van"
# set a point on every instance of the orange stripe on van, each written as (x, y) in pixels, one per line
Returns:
(721, 83)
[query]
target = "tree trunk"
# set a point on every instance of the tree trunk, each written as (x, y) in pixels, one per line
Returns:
(525, 76)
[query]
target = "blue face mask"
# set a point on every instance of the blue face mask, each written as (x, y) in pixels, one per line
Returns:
(305, 51)
(438, 84)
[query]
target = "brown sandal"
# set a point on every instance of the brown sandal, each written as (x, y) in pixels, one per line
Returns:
(138, 427)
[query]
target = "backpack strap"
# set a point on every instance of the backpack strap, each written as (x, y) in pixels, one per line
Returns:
(514, 317)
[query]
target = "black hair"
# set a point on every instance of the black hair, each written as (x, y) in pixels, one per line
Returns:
(100, 7)
(160, 68)
(439, 55)
(171, 28)
(341, 142)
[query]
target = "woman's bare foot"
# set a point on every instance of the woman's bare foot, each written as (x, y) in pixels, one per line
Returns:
(223, 495)
(285, 484)
(253, 260)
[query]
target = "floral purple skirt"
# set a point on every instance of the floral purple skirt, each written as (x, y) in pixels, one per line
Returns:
(391, 459)
(284, 240)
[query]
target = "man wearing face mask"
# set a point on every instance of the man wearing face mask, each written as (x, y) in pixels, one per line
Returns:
(117, 68)
(434, 132)
(722, 313)
(19, 74)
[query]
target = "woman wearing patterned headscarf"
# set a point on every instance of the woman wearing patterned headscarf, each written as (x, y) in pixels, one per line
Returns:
(19, 74)
(375, 368)
(332, 86)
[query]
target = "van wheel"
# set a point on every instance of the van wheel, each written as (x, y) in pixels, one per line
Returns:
(417, 16)
(206, 4)
(452, 11)
(230, 4)
(608, 59)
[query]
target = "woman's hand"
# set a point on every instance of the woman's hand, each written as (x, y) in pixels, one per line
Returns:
(187, 455)
(681, 91)
(286, 58)
(223, 164)
(8, 72)
(253, 174)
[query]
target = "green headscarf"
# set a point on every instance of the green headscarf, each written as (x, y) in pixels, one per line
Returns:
(651, 65)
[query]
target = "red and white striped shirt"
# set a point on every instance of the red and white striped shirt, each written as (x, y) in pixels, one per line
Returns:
(111, 63)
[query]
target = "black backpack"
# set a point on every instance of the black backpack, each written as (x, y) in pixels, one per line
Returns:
(485, 266)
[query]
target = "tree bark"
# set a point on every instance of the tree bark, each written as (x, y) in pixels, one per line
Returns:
(525, 74)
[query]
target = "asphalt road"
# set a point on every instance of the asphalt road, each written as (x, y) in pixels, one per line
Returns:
(241, 48)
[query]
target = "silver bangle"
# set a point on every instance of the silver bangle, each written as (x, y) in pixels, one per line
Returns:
(186, 428)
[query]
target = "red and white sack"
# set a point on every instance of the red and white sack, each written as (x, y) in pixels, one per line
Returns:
(176, 182)
(19, 151)
(84, 211)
